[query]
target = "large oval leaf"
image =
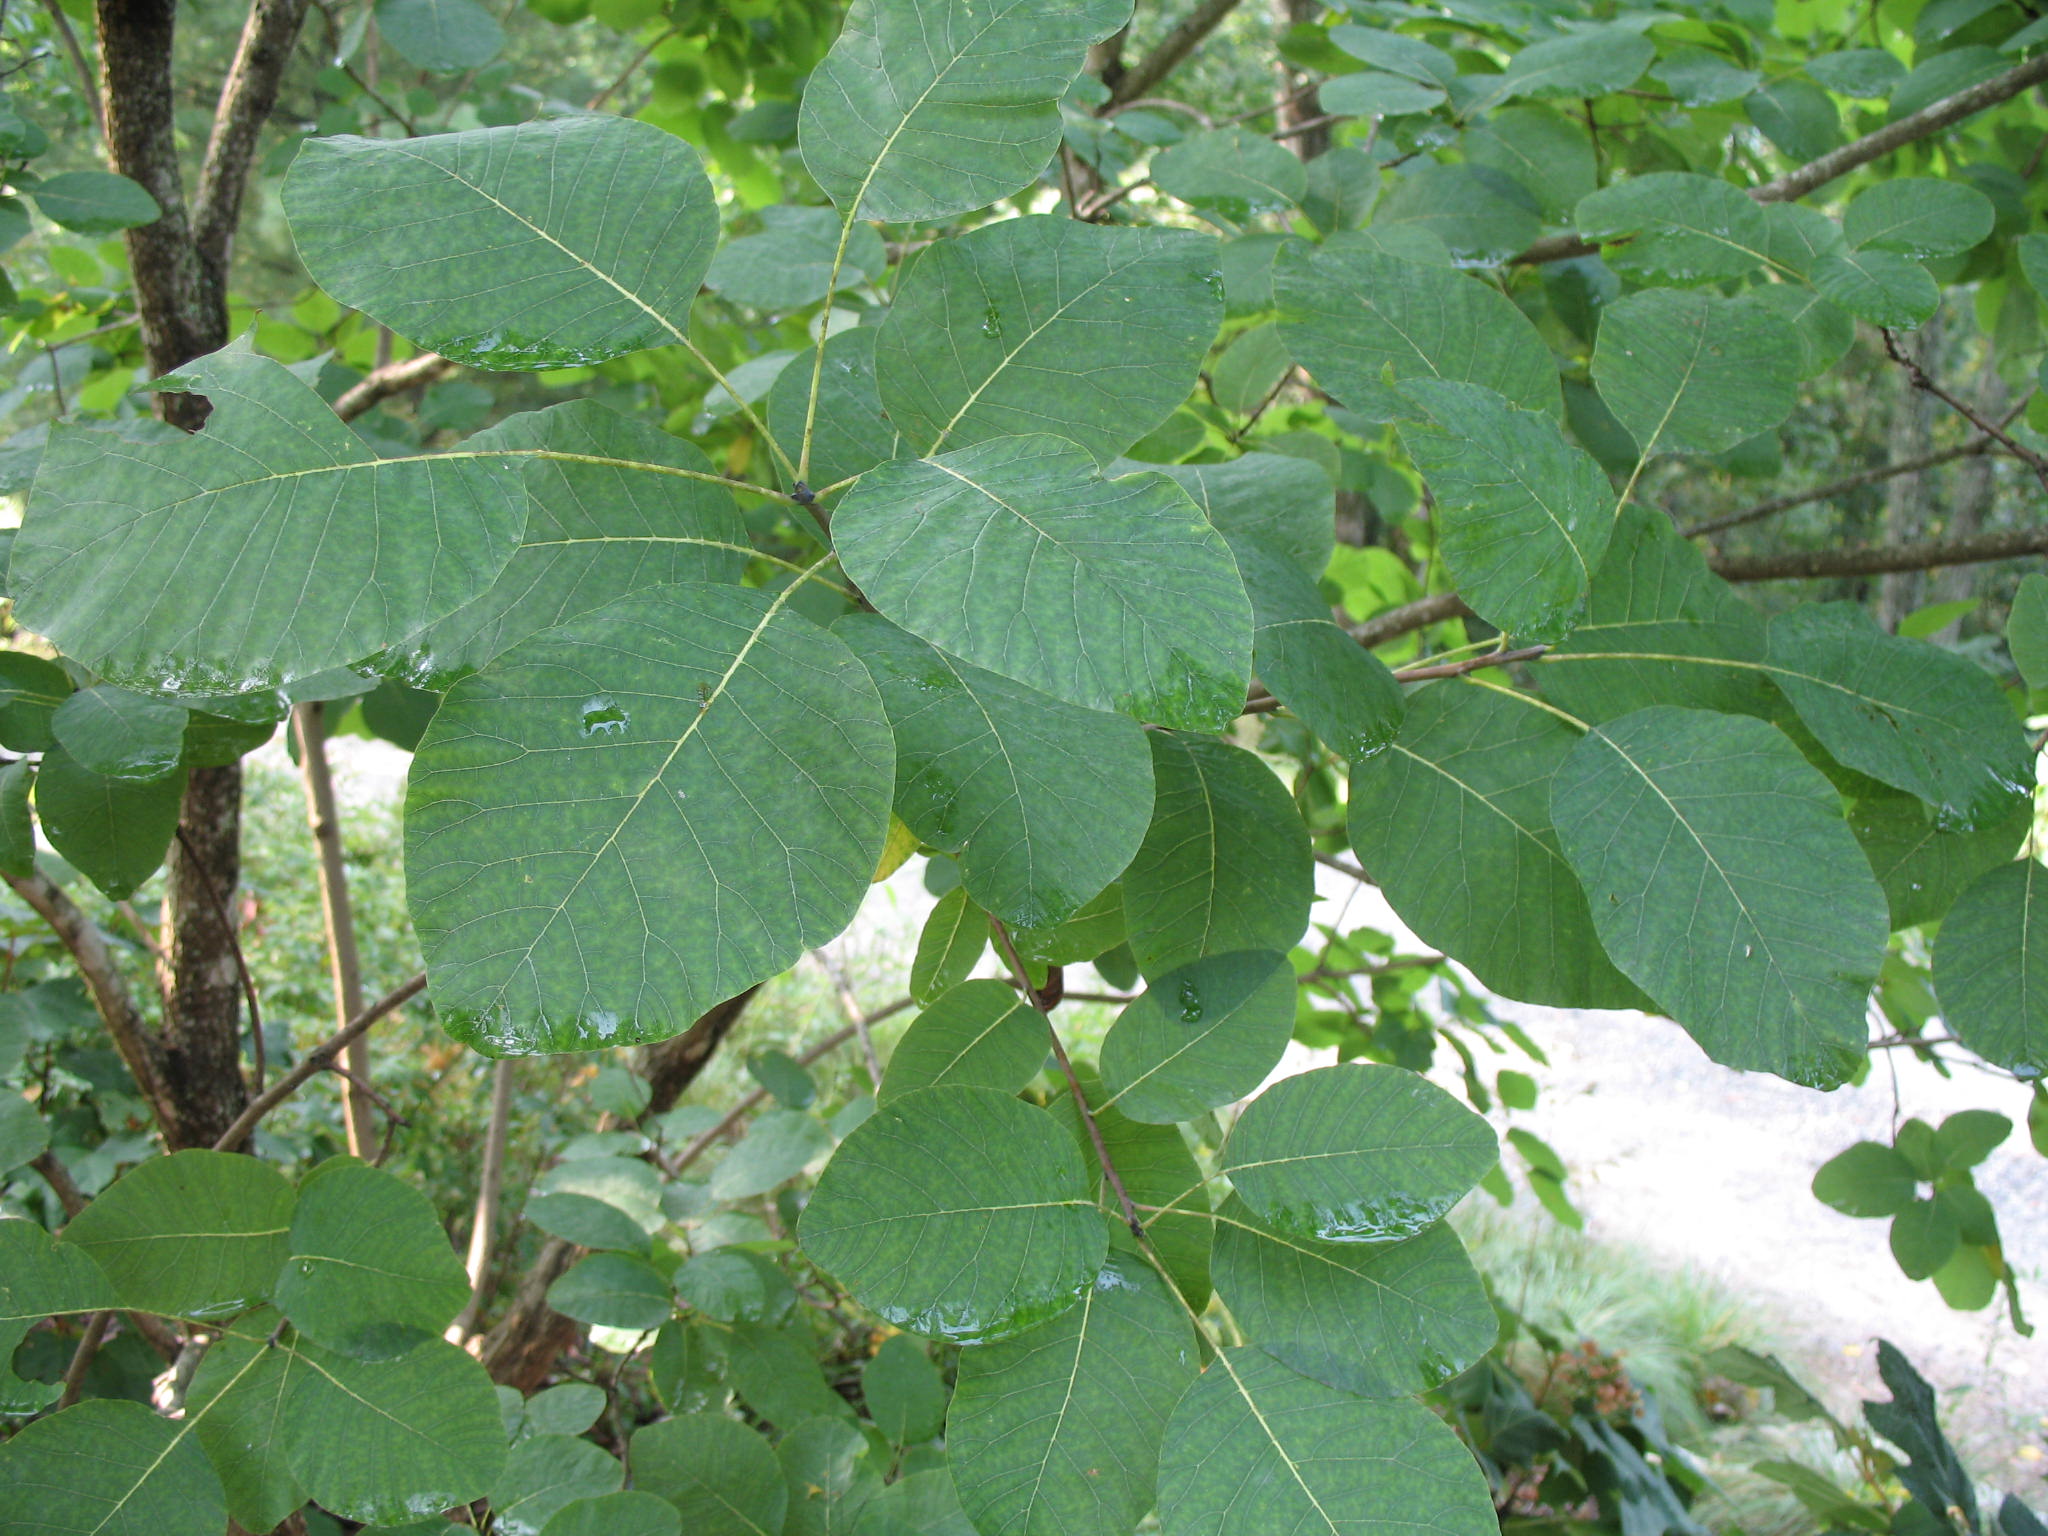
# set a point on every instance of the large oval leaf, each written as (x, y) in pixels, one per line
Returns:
(981, 1034)
(115, 832)
(1724, 882)
(110, 1469)
(1016, 556)
(1201, 1036)
(545, 244)
(588, 858)
(1991, 967)
(237, 1404)
(1693, 372)
(316, 552)
(718, 1473)
(926, 1226)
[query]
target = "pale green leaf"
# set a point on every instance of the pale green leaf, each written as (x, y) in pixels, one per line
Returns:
(586, 859)
(1676, 227)
(106, 1468)
(1057, 1432)
(614, 1290)
(1225, 864)
(1250, 370)
(850, 435)
(121, 735)
(544, 1473)
(778, 1146)
(719, 1474)
(195, 1234)
(1376, 93)
(1047, 324)
(949, 946)
(1202, 1036)
(924, 1227)
(1396, 52)
(1234, 174)
(832, 1474)
(545, 244)
(2026, 631)
(1693, 372)
(1588, 63)
(237, 1403)
(1991, 967)
(903, 1392)
(1918, 216)
(790, 262)
(598, 1202)
(631, 1513)
(94, 202)
(1725, 884)
(1358, 1153)
(922, 111)
(1869, 1179)
(112, 831)
(1866, 73)
(1015, 556)
(1879, 286)
(440, 34)
(981, 1034)
(1700, 77)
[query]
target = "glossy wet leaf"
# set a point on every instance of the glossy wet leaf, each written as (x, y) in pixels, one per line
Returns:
(195, 1234)
(316, 552)
(545, 1473)
(789, 263)
(925, 1226)
(604, 519)
(1991, 967)
(949, 946)
(1676, 227)
(1692, 372)
(236, 1401)
(981, 1034)
(1355, 1154)
(1225, 864)
(1202, 1035)
(545, 244)
(121, 735)
(1045, 324)
(586, 860)
(1725, 884)
(719, 1475)
(1042, 802)
(115, 832)
(1350, 313)
(1057, 1432)
(1233, 174)
(1015, 556)
(105, 1468)
(1381, 1321)
(903, 1392)
(1252, 1447)
(1454, 824)
(1917, 216)
(924, 111)
(370, 1272)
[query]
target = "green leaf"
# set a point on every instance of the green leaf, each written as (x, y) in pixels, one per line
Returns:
(1232, 174)
(1159, 1174)
(23, 1133)
(731, 1285)
(1250, 370)
(1350, 313)
(1869, 1179)
(1918, 216)
(1675, 227)
(924, 111)
(1723, 883)
(94, 202)
(1878, 286)
(981, 1034)
(1693, 372)
(949, 947)
(1549, 155)
(237, 1403)
(2032, 254)
(1355, 1154)
(784, 1077)
(38, 1278)
(544, 1473)
(1866, 73)
(1965, 1138)
(120, 735)
(1924, 1236)
(1912, 715)
(850, 435)
(599, 1202)
(789, 264)
(917, 1504)
(1225, 864)
(585, 861)
(1699, 77)
(1381, 1321)
(546, 244)
(32, 690)
(370, 1271)
(1588, 63)
(631, 1513)
(1204, 1034)
(924, 1228)
(1015, 556)
(1097, 927)
(776, 1372)
(1046, 324)
(1454, 824)
(779, 1146)
(17, 827)
(832, 1476)
(1991, 967)
(1396, 52)
(614, 1290)
(1931, 619)
(1042, 802)
(1057, 1432)
(440, 34)
(903, 1392)
(110, 1469)
(1252, 1447)
(112, 831)
(1284, 503)
(2026, 631)
(1480, 216)
(1797, 117)
(1522, 516)
(317, 551)
(1923, 862)
(391, 1440)
(605, 518)
(196, 1234)
(1375, 93)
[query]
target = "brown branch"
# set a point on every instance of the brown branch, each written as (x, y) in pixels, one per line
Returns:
(318, 1060)
(393, 379)
(82, 1358)
(1331, 861)
(1834, 488)
(69, 1196)
(79, 62)
(1926, 383)
(1469, 664)
(671, 1065)
(596, 103)
(849, 1005)
(345, 965)
(1408, 618)
(1875, 560)
(247, 96)
(490, 1184)
(1163, 60)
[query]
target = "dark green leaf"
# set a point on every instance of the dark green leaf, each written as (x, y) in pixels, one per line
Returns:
(1693, 372)
(1588, 63)
(779, 1145)
(1879, 286)
(832, 1476)
(1203, 1035)
(1991, 967)
(38, 1278)
(981, 1034)
(1284, 503)
(616, 1514)
(1870, 1179)
(614, 1290)
(112, 831)
(543, 1473)
(31, 692)
(1676, 227)
(237, 1403)
(120, 735)
(949, 946)
(850, 435)
(904, 1394)
(1161, 1177)
(2026, 631)
(790, 262)
(1966, 1138)
(94, 202)
(1235, 174)
(440, 34)
(1918, 216)
(1924, 863)
(110, 1469)
(1924, 1236)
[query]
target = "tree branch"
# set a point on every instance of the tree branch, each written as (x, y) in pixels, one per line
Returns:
(1164, 59)
(490, 1183)
(849, 1005)
(1423, 673)
(247, 96)
(310, 721)
(1408, 618)
(1834, 488)
(1925, 382)
(227, 922)
(86, 83)
(392, 379)
(1874, 560)
(69, 1196)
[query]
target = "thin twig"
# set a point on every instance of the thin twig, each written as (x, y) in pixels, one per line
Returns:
(1842, 487)
(596, 103)
(490, 1183)
(1469, 664)
(1344, 867)
(82, 1357)
(1925, 382)
(69, 1196)
(1164, 59)
(382, 383)
(227, 924)
(345, 968)
(849, 1005)
(86, 82)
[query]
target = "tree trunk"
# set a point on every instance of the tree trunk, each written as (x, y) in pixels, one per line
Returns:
(1295, 108)
(672, 1065)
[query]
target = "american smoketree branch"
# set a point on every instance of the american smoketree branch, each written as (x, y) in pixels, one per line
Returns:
(1139, 78)
(318, 1060)
(247, 98)
(381, 384)
(345, 964)
(1925, 382)
(1876, 475)
(68, 36)
(490, 1184)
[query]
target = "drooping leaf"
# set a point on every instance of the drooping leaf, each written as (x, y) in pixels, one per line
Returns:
(1225, 864)
(614, 1290)
(106, 1468)
(1232, 174)
(121, 735)
(586, 859)
(849, 434)
(440, 34)
(604, 519)
(317, 551)
(545, 1473)
(925, 111)
(790, 262)
(1725, 884)
(195, 1234)
(949, 946)
(1933, 1473)
(370, 1271)
(236, 1402)
(112, 831)
(1917, 216)
(1676, 227)
(1381, 1321)
(903, 1392)
(1350, 312)
(545, 244)
(1252, 1447)
(923, 1226)
(1454, 824)
(1042, 802)
(1047, 324)
(1203, 1035)
(1690, 372)
(1057, 1432)
(981, 1034)
(1991, 967)
(1921, 860)
(1358, 1153)
(1015, 556)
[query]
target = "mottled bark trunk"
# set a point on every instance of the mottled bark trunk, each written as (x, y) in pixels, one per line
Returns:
(670, 1066)
(1295, 107)
(202, 1029)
